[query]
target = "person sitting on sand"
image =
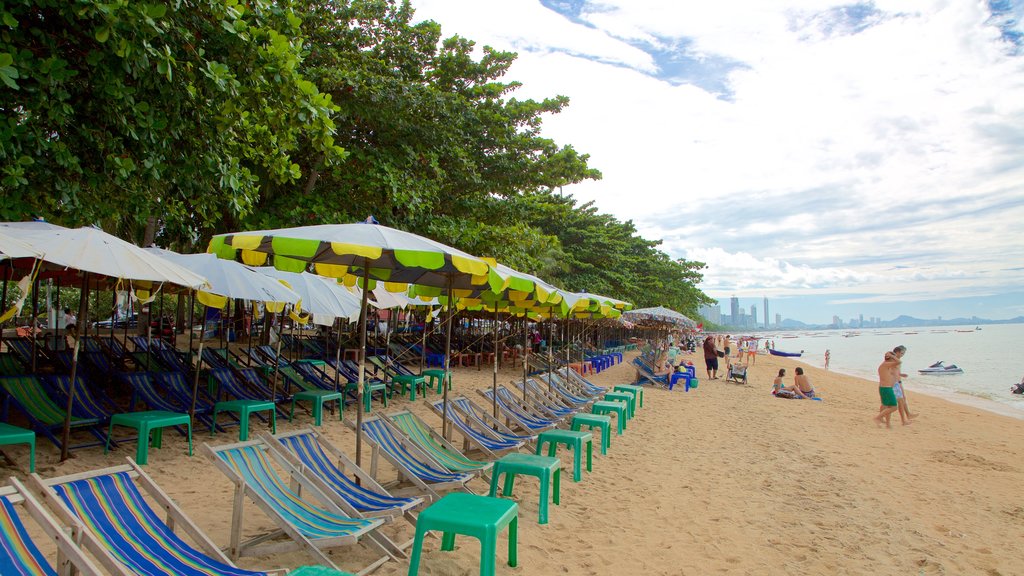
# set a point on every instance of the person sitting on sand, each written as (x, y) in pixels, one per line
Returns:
(779, 389)
(801, 385)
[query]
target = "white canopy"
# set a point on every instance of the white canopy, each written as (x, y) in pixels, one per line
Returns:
(324, 298)
(232, 279)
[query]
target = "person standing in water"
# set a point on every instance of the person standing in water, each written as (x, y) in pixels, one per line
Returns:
(828, 356)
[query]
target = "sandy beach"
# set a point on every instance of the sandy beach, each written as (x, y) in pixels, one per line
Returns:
(724, 479)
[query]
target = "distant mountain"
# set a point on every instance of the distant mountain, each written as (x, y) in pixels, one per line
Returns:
(789, 323)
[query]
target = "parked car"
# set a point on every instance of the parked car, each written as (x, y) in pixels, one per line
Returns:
(131, 321)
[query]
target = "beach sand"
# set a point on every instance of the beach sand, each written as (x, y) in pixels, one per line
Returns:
(724, 479)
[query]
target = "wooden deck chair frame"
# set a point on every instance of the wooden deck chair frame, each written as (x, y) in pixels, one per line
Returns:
(457, 420)
(582, 384)
(69, 541)
(569, 392)
(537, 401)
(291, 463)
(483, 414)
(263, 545)
(441, 441)
(176, 519)
(548, 397)
(433, 489)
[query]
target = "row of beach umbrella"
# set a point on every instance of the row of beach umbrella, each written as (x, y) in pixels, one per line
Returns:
(327, 270)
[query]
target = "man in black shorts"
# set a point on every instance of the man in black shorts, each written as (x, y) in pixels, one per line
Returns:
(711, 358)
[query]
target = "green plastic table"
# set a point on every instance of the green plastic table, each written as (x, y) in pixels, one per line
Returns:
(317, 398)
(545, 468)
(592, 421)
(149, 422)
(410, 382)
(481, 517)
(370, 388)
(626, 397)
(15, 435)
(610, 407)
(435, 376)
(574, 440)
(638, 391)
(244, 408)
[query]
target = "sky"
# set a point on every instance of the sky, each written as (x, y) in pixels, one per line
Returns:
(837, 158)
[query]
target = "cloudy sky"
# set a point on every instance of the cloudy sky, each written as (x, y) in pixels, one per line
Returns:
(837, 158)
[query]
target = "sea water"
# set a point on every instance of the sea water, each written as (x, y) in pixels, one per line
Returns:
(989, 355)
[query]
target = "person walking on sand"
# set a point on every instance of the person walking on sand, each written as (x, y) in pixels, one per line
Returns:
(897, 388)
(888, 373)
(752, 352)
(726, 346)
(711, 358)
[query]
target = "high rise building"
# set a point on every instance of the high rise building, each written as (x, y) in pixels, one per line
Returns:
(753, 315)
(712, 313)
(734, 309)
(778, 319)
(766, 324)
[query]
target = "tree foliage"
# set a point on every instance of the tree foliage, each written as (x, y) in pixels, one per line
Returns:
(212, 115)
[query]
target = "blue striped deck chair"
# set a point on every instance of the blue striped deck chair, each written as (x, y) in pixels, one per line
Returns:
(310, 518)
(534, 402)
(546, 399)
(19, 553)
(566, 390)
(412, 462)
(490, 436)
(86, 403)
(245, 389)
(434, 444)
(112, 506)
(329, 464)
(46, 416)
(515, 411)
(585, 386)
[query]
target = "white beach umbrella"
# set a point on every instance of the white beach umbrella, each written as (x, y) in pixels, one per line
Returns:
(324, 298)
(11, 247)
(232, 279)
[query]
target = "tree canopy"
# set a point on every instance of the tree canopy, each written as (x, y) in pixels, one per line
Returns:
(177, 120)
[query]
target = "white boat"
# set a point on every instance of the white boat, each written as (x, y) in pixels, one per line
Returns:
(940, 369)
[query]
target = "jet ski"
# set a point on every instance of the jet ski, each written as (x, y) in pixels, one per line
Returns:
(940, 369)
(1018, 388)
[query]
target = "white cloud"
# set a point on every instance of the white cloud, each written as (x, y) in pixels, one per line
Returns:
(855, 139)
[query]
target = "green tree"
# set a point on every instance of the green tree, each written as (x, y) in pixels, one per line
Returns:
(162, 113)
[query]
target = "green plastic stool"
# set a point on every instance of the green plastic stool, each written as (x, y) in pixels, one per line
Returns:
(592, 421)
(317, 398)
(372, 387)
(15, 435)
(244, 408)
(149, 422)
(626, 397)
(543, 467)
(610, 407)
(410, 382)
(481, 517)
(436, 376)
(638, 391)
(573, 440)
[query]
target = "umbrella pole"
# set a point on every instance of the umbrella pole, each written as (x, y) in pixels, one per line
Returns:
(423, 345)
(526, 351)
(195, 377)
(446, 379)
(494, 384)
(32, 331)
(337, 362)
(551, 352)
(252, 320)
(83, 309)
(361, 355)
(3, 297)
(387, 346)
(277, 360)
(192, 324)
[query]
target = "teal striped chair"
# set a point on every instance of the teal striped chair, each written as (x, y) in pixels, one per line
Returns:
(46, 416)
(122, 525)
(21, 556)
(442, 451)
(310, 518)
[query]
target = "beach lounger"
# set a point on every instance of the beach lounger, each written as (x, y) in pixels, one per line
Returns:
(86, 403)
(20, 555)
(519, 412)
(412, 462)
(439, 448)
(112, 504)
(482, 430)
(585, 386)
(330, 466)
(46, 416)
(643, 373)
(569, 391)
(546, 398)
(310, 519)
(737, 374)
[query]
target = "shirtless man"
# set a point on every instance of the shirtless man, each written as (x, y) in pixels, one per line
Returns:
(897, 388)
(801, 385)
(888, 375)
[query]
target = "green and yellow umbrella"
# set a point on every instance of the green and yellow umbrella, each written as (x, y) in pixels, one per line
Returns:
(363, 254)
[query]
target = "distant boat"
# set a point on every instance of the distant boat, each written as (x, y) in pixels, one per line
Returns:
(940, 369)
(965, 330)
(775, 352)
